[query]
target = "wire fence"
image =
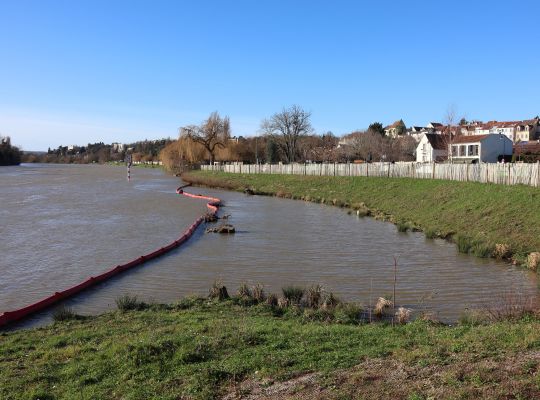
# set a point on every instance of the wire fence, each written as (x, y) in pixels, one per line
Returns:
(498, 173)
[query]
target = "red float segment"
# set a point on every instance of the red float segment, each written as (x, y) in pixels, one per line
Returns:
(11, 316)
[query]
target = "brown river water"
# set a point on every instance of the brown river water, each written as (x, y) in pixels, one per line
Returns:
(60, 224)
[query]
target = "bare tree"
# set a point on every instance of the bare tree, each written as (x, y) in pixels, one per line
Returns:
(212, 133)
(450, 119)
(286, 128)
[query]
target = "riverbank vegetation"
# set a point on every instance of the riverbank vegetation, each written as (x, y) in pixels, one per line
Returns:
(9, 154)
(248, 344)
(287, 136)
(483, 219)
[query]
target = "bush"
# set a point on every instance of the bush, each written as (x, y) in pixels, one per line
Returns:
(257, 292)
(480, 249)
(329, 300)
(244, 290)
(464, 243)
(64, 313)
(129, 303)
(402, 226)
(348, 313)
(218, 291)
(272, 300)
(313, 296)
(293, 294)
(431, 233)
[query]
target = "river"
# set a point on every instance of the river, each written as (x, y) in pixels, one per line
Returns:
(60, 224)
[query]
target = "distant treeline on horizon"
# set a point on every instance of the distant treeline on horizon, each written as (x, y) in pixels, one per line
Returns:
(146, 150)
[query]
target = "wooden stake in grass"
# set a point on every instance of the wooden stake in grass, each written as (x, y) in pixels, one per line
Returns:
(394, 292)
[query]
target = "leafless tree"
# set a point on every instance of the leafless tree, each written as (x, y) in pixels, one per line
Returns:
(286, 128)
(450, 119)
(212, 133)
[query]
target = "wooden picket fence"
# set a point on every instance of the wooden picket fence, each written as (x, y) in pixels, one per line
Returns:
(503, 174)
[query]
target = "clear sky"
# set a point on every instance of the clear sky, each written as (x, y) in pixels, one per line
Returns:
(73, 72)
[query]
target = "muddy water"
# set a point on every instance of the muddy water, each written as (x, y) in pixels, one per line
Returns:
(61, 224)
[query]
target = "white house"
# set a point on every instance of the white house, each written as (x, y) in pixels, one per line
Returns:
(432, 148)
(479, 148)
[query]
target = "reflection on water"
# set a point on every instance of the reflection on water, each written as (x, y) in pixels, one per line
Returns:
(61, 224)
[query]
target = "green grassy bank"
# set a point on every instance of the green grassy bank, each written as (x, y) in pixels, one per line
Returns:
(483, 219)
(203, 349)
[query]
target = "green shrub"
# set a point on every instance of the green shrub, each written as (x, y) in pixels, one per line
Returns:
(64, 313)
(129, 303)
(402, 226)
(293, 294)
(431, 233)
(464, 244)
(348, 313)
(480, 249)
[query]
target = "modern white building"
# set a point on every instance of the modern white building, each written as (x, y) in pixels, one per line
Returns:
(480, 148)
(432, 148)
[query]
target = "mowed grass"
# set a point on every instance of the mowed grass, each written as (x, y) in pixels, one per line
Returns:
(479, 215)
(203, 348)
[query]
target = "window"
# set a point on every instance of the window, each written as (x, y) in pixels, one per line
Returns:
(454, 151)
(473, 150)
(462, 150)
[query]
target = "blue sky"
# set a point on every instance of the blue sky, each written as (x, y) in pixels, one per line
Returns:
(73, 72)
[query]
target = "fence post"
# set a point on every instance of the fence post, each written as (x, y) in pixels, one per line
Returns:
(538, 174)
(367, 169)
(433, 173)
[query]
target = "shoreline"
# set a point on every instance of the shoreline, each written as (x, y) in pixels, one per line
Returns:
(417, 198)
(204, 348)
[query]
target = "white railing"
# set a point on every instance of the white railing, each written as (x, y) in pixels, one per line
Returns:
(504, 174)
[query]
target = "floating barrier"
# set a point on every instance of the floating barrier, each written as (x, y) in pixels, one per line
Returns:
(12, 316)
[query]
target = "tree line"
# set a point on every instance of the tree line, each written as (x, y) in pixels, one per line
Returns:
(146, 150)
(9, 154)
(286, 136)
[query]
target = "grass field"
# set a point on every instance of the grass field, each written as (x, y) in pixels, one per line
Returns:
(483, 219)
(202, 349)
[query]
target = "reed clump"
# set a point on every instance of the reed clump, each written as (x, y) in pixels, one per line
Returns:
(502, 251)
(533, 261)
(128, 302)
(218, 291)
(382, 306)
(64, 313)
(293, 294)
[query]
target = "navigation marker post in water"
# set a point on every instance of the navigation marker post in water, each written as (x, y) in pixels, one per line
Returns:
(128, 162)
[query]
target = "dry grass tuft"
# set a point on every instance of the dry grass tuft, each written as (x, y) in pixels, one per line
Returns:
(257, 292)
(314, 296)
(244, 291)
(329, 301)
(533, 260)
(381, 306)
(218, 291)
(403, 315)
(282, 302)
(272, 300)
(502, 251)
